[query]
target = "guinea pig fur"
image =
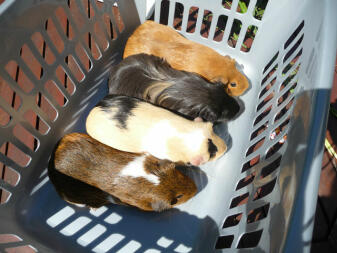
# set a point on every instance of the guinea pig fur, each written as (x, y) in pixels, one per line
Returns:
(139, 180)
(132, 125)
(77, 192)
(152, 79)
(183, 54)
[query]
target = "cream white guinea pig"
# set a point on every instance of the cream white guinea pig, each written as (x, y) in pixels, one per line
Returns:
(132, 125)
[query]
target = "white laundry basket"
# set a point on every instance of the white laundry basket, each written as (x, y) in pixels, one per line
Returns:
(260, 196)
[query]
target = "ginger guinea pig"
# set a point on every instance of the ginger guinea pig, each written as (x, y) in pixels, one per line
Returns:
(152, 79)
(132, 125)
(139, 180)
(183, 54)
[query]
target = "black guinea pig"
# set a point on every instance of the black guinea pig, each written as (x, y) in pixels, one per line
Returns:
(104, 174)
(152, 79)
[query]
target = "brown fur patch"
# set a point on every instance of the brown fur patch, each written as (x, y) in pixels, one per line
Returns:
(81, 157)
(184, 54)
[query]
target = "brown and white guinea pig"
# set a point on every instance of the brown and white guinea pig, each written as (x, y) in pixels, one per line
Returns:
(183, 54)
(152, 79)
(139, 180)
(132, 125)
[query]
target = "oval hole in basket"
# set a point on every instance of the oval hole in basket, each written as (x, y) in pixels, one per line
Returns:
(293, 49)
(294, 34)
(52, 89)
(91, 10)
(258, 214)
(82, 56)
(284, 110)
(206, 23)
(251, 163)
(232, 220)
(267, 87)
(65, 80)
(13, 69)
(64, 24)
(255, 146)
(101, 39)
(11, 176)
(292, 63)
(259, 131)
(239, 200)
(234, 33)
(36, 122)
(242, 6)
(250, 240)
(227, 4)
(259, 9)
(262, 115)
(289, 92)
(164, 12)
(245, 181)
(15, 154)
(249, 38)
(6, 238)
(289, 78)
(46, 106)
(26, 137)
(23, 249)
(78, 13)
(220, 28)
(94, 48)
(74, 68)
(39, 43)
(8, 95)
(4, 195)
(118, 17)
(270, 73)
(109, 27)
(192, 19)
(270, 63)
(224, 242)
(265, 190)
(276, 147)
(280, 130)
(5, 118)
(271, 167)
(31, 63)
(265, 101)
(178, 16)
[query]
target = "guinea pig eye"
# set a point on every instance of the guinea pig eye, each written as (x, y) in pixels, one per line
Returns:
(179, 196)
(233, 85)
(174, 201)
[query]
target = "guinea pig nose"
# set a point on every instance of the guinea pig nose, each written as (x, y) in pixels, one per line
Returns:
(233, 85)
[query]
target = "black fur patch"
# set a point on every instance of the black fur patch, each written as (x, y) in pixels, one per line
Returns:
(212, 149)
(124, 105)
(187, 94)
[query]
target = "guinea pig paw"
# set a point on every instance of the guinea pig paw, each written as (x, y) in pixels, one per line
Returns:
(160, 205)
(198, 119)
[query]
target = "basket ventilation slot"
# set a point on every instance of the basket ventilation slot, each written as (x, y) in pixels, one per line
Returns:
(212, 24)
(268, 142)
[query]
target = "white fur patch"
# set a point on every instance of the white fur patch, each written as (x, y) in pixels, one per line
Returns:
(155, 140)
(136, 169)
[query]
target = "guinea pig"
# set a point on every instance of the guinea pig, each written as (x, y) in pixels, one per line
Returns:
(152, 79)
(132, 125)
(183, 54)
(139, 180)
